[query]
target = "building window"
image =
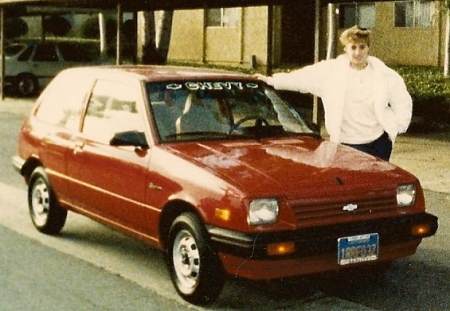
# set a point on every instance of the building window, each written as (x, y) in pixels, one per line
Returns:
(224, 17)
(414, 13)
(361, 14)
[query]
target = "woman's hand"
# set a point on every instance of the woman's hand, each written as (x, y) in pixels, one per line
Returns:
(260, 77)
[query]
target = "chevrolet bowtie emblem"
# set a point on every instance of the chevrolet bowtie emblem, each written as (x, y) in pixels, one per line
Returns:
(350, 207)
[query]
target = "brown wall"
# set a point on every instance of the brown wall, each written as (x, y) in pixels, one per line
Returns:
(192, 41)
(405, 46)
(187, 36)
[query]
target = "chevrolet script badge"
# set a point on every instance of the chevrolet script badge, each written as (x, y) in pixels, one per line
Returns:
(350, 207)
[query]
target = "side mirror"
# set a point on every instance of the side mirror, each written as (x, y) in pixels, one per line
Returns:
(129, 138)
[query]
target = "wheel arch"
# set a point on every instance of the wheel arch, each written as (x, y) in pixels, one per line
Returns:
(170, 212)
(28, 168)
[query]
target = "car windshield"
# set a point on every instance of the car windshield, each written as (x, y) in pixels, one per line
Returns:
(203, 110)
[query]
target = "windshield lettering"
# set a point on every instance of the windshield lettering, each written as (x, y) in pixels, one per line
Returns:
(213, 85)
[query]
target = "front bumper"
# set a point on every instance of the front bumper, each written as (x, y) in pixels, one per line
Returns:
(316, 247)
(18, 163)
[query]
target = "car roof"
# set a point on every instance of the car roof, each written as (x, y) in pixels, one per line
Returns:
(154, 73)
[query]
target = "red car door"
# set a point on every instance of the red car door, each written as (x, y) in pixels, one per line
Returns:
(110, 181)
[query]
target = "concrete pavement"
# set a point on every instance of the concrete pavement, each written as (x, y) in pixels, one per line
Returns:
(427, 157)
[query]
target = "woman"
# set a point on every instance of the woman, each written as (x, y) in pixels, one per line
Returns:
(366, 103)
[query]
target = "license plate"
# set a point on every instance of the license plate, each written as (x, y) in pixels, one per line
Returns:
(358, 248)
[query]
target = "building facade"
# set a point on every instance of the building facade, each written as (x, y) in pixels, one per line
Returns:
(224, 36)
(404, 33)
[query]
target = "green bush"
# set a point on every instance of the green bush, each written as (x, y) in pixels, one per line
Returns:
(430, 91)
(425, 83)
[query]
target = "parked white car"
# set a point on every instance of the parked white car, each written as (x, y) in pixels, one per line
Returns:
(29, 66)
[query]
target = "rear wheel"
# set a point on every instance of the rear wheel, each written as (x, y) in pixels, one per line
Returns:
(47, 216)
(26, 85)
(195, 269)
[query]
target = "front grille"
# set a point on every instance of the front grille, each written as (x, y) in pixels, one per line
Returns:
(332, 209)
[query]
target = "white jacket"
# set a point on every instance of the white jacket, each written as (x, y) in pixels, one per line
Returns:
(328, 80)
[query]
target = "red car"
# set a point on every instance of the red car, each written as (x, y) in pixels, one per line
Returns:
(217, 171)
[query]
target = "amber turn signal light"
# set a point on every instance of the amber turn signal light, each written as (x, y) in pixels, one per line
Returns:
(222, 213)
(420, 230)
(278, 249)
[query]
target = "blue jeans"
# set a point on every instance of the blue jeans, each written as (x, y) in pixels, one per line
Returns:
(381, 147)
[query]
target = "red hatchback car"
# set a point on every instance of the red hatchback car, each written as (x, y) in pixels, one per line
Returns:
(217, 171)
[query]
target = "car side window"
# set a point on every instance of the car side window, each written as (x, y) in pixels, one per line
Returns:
(25, 55)
(45, 53)
(75, 52)
(61, 103)
(112, 108)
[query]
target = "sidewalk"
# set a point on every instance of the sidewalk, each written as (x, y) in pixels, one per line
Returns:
(16, 105)
(427, 157)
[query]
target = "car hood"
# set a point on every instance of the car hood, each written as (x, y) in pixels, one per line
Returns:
(290, 166)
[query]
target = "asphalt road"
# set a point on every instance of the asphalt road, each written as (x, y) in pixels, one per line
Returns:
(40, 278)
(91, 267)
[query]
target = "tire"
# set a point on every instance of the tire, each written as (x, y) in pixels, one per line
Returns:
(195, 270)
(47, 216)
(26, 85)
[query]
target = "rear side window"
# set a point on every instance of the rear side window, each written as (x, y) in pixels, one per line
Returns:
(63, 100)
(13, 49)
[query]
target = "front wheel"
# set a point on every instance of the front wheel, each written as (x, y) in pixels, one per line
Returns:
(47, 216)
(195, 269)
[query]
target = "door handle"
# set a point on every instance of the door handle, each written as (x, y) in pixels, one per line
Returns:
(77, 146)
(154, 187)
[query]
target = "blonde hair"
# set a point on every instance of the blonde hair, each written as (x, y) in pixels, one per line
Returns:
(355, 34)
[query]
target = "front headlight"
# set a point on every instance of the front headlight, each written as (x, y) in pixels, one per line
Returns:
(406, 195)
(263, 211)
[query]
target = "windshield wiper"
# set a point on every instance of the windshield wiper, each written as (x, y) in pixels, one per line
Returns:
(258, 133)
(197, 134)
